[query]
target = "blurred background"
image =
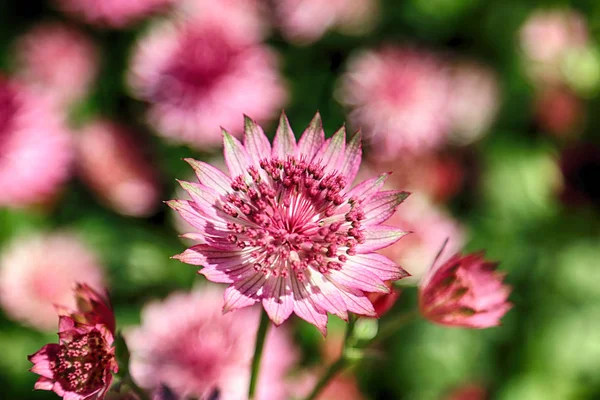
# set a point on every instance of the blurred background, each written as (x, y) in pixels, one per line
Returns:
(486, 110)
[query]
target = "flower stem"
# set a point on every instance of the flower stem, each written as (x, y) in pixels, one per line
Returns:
(393, 326)
(258, 349)
(141, 394)
(337, 366)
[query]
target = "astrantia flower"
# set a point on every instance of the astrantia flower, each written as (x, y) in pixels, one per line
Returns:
(464, 291)
(400, 97)
(203, 73)
(92, 308)
(78, 367)
(35, 147)
(57, 61)
(112, 162)
(187, 345)
(37, 272)
(285, 229)
(305, 21)
(113, 13)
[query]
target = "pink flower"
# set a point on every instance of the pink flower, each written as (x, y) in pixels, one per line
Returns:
(35, 148)
(474, 101)
(113, 13)
(78, 367)
(37, 272)
(399, 97)
(547, 37)
(203, 73)
(305, 21)
(430, 226)
(187, 345)
(464, 291)
(285, 229)
(92, 308)
(58, 61)
(383, 302)
(112, 162)
(559, 111)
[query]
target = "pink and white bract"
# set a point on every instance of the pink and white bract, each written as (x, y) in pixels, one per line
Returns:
(464, 291)
(187, 345)
(285, 229)
(35, 147)
(202, 73)
(78, 367)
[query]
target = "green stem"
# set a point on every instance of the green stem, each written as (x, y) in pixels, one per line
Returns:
(141, 394)
(388, 330)
(258, 349)
(337, 366)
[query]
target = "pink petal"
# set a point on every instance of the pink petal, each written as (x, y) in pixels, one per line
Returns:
(210, 176)
(331, 153)
(284, 143)
(328, 297)
(228, 275)
(43, 384)
(312, 139)
(358, 279)
(378, 237)
(255, 141)
(305, 308)
(42, 358)
(366, 189)
(357, 302)
(352, 157)
(380, 265)
(382, 206)
(236, 156)
(278, 300)
(243, 293)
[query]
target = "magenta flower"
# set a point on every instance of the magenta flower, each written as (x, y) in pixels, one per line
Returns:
(92, 308)
(201, 73)
(78, 367)
(58, 61)
(464, 291)
(285, 229)
(186, 344)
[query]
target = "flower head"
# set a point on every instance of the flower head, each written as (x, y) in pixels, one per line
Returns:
(187, 345)
(58, 61)
(202, 73)
(400, 97)
(78, 367)
(464, 291)
(285, 229)
(37, 272)
(92, 308)
(35, 147)
(113, 13)
(112, 162)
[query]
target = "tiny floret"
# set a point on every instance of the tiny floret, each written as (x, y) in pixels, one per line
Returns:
(285, 228)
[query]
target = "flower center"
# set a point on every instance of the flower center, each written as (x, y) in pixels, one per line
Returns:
(82, 363)
(292, 216)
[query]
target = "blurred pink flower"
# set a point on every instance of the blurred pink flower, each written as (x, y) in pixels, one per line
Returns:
(464, 291)
(559, 111)
(430, 226)
(114, 165)
(474, 101)
(57, 61)
(284, 227)
(305, 21)
(342, 387)
(547, 37)
(92, 308)
(113, 13)
(202, 73)
(37, 272)
(35, 147)
(399, 97)
(80, 366)
(186, 344)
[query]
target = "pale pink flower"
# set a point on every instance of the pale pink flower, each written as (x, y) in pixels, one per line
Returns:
(37, 272)
(58, 61)
(464, 291)
(202, 73)
(547, 37)
(35, 147)
(112, 162)
(305, 21)
(474, 101)
(430, 226)
(80, 366)
(285, 229)
(186, 344)
(399, 97)
(113, 13)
